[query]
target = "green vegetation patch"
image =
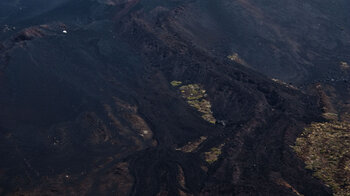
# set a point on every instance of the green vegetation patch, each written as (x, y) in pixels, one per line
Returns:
(330, 116)
(192, 146)
(213, 155)
(196, 96)
(192, 92)
(325, 148)
(176, 83)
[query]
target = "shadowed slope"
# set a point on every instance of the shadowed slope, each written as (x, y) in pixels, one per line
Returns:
(93, 112)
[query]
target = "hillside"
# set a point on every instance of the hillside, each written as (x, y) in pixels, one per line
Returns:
(165, 97)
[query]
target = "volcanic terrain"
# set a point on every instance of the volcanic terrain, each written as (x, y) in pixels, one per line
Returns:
(167, 97)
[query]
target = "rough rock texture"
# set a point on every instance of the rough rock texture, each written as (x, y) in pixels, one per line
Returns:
(93, 112)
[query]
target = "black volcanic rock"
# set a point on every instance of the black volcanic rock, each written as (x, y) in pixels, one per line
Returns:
(91, 111)
(296, 41)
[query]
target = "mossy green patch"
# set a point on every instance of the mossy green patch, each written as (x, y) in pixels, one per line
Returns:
(325, 148)
(213, 155)
(196, 97)
(330, 116)
(192, 92)
(175, 83)
(192, 146)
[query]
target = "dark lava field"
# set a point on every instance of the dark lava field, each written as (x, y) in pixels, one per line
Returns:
(171, 97)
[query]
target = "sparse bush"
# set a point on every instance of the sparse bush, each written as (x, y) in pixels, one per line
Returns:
(236, 58)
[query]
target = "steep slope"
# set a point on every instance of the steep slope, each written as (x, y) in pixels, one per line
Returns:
(295, 41)
(92, 111)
